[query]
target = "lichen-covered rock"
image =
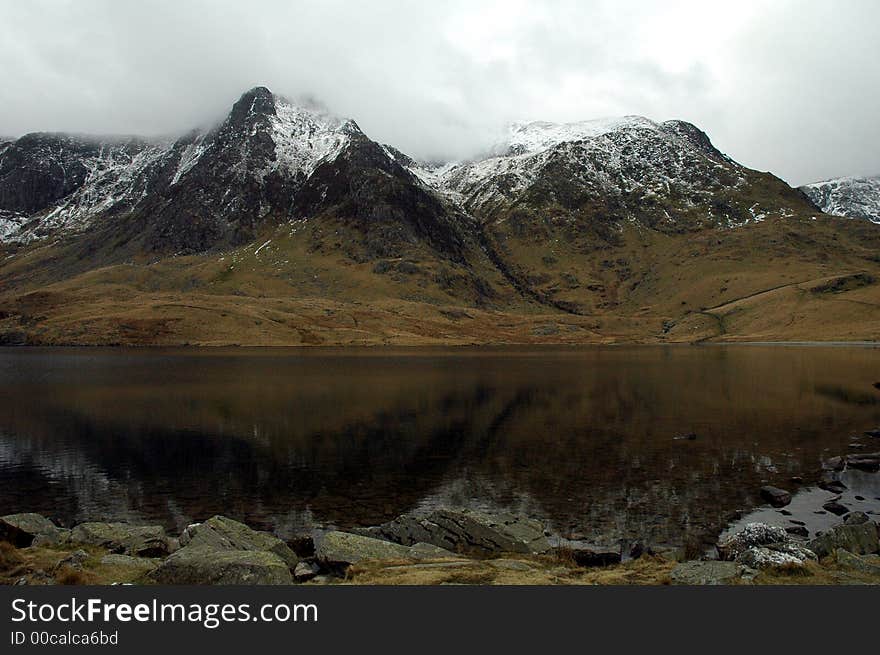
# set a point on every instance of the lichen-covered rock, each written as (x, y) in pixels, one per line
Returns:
(202, 565)
(706, 573)
(344, 548)
(222, 533)
(305, 571)
(128, 567)
(866, 563)
(29, 529)
(859, 538)
(466, 531)
(134, 540)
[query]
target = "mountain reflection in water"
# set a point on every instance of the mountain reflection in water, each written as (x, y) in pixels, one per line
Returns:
(290, 439)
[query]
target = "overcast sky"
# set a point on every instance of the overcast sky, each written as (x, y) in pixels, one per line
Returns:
(791, 87)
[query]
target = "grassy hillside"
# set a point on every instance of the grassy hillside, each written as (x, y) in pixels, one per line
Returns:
(308, 283)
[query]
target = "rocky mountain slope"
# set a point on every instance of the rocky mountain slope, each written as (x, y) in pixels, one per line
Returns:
(856, 197)
(287, 224)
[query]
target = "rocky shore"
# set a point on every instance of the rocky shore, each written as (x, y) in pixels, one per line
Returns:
(448, 545)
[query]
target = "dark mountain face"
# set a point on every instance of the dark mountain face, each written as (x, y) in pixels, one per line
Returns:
(268, 162)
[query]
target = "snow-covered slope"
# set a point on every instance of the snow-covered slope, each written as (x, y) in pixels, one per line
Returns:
(631, 162)
(856, 197)
(56, 183)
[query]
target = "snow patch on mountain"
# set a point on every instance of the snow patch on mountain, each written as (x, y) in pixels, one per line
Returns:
(854, 197)
(306, 137)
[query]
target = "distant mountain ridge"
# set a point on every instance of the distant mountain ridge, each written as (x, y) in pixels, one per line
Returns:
(856, 197)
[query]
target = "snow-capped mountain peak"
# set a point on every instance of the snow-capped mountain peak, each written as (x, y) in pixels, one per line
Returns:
(536, 136)
(856, 197)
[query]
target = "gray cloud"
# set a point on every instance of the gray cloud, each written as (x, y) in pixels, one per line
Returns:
(793, 88)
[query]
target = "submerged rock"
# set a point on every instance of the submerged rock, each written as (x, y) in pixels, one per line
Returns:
(775, 496)
(222, 533)
(202, 565)
(706, 573)
(864, 462)
(835, 507)
(135, 540)
(834, 486)
(29, 529)
(466, 531)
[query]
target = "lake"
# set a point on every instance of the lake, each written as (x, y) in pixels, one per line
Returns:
(296, 439)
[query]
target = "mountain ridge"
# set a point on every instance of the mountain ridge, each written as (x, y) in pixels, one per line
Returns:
(285, 223)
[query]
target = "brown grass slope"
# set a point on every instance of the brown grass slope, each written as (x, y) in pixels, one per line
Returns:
(306, 283)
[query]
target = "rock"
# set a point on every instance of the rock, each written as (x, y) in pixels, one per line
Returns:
(860, 539)
(690, 436)
(706, 573)
(305, 571)
(798, 531)
(869, 564)
(873, 433)
(422, 550)
(834, 464)
(135, 540)
(759, 545)
(751, 536)
(344, 548)
(131, 567)
(775, 496)
(835, 507)
(589, 557)
(796, 479)
(203, 565)
(785, 512)
(796, 522)
(466, 531)
(761, 557)
(222, 533)
(864, 462)
(834, 486)
(856, 518)
(859, 497)
(23, 530)
(75, 560)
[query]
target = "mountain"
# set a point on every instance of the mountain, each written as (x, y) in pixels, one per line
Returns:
(856, 197)
(286, 224)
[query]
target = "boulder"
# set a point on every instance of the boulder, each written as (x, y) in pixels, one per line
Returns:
(761, 557)
(222, 533)
(798, 531)
(866, 564)
(752, 535)
(856, 518)
(590, 556)
(135, 540)
(344, 548)
(835, 507)
(864, 462)
(706, 573)
(130, 568)
(466, 531)
(834, 486)
(860, 539)
(202, 565)
(23, 530)
(759, 545)
(305, 571)
(75, 560)
(775, 496)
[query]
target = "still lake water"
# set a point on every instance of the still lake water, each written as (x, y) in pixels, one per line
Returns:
(291, 439)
